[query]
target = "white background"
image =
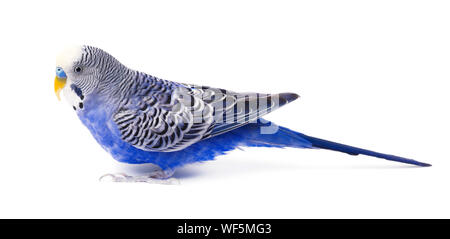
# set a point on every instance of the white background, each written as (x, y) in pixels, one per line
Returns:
(372, 74)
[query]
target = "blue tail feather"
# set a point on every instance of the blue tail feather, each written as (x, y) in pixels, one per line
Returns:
(251, 136)
(325, 144)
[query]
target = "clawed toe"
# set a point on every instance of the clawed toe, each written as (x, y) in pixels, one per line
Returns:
(156, 177)
(117, 177)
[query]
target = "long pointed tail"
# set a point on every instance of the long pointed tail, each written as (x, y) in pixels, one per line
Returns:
(325, 144)
(284, 137)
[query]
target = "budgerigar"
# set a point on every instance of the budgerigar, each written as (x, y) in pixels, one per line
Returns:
(139, 118)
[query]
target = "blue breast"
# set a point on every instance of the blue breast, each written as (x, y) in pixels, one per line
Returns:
(98, 119)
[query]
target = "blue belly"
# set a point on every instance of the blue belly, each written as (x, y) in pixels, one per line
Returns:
(100, 124)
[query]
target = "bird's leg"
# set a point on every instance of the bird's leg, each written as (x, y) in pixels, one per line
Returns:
(157, 176)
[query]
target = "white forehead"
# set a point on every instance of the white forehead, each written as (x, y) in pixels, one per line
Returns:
(68, 56)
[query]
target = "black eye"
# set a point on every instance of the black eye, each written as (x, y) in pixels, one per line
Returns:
(78, 69)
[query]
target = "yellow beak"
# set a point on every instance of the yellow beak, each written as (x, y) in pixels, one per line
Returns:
(59, 85)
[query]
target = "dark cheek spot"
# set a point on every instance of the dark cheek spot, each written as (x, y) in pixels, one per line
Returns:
(74, 107)
(80, 105)
(77, 91)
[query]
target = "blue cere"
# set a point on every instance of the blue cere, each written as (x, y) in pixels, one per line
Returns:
(60, 73)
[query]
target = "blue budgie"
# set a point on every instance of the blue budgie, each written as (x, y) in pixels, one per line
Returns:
(139, 118)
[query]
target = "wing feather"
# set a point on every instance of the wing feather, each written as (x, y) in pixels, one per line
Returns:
(172, 119)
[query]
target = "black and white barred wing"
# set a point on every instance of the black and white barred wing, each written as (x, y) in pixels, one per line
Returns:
(164, 122)
(233, 110)
(168, 122)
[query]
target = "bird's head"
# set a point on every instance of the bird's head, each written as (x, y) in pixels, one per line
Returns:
(81, 70)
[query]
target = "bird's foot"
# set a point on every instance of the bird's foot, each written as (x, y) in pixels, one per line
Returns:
(155, 177)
